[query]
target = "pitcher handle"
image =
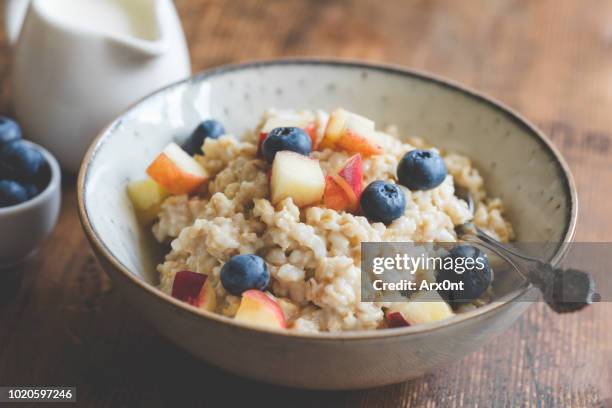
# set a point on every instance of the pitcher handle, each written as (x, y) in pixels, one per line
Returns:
(14, 14)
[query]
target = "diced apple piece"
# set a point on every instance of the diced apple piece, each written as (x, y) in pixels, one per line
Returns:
(424, 307)
(194, 288)
(207, 299)
(298, 177)
(290, 121)
(335, 196)
(350, 132)
(343, 189)
(259, 309)
(336, 125)
(176, 171)
(358, 141)
(146, 197)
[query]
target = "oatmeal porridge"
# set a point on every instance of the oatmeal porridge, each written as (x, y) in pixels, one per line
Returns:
(267, 229)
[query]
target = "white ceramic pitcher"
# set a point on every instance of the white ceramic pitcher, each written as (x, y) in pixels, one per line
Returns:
(78, 63)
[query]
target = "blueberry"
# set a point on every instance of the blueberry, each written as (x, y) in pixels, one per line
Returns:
(9, 131)
(244, 272)
(210, 128)
(467, 264)
(19, 161)
(12, 193)
(421, 170)
(382, 202)
(286, 138)
(31, 189)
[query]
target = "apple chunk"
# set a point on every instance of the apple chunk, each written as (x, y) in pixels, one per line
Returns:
(194, 288)
(146, 197)
(350, 132)
(298, 177)
(343, 188)
(259, 309)
(424, 307)
(176, 171)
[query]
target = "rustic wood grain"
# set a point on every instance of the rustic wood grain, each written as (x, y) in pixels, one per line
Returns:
(61, 322)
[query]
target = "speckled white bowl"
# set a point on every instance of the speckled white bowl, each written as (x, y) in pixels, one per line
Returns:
(519, 164)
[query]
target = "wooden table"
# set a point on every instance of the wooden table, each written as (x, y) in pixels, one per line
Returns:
(63, 323)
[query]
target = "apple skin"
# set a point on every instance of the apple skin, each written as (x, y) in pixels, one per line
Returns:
(396, 319)
(343, 189)
(335, 196)
(187, 286)
(176, 171)
(194, 288)
(354, 142)
(352, 173)
(257, 308)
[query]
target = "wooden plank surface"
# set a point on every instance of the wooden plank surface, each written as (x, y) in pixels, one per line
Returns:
(61, 322)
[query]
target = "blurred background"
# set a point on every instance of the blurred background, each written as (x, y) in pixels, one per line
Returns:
(551, 60)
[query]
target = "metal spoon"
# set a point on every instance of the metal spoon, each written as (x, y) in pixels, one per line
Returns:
(564, 290)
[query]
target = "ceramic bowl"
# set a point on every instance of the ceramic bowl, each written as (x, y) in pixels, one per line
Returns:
(25, 226)
(519, 164)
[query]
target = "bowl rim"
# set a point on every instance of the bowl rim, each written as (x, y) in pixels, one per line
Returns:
(520, 293)
(49, 190)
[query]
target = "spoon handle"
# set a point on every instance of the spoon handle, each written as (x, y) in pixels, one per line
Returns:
(564, 290)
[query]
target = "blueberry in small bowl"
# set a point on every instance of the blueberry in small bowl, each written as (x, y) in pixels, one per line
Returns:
(24, 163)
(12, 193)
(421, 170)
(30, 194)
(9, 131)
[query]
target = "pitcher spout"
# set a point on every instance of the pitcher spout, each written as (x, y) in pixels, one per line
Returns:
(143, 31)
(142, 28)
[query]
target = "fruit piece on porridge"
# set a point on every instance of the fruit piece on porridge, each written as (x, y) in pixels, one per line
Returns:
(260, 309)
(244, 272)
(194, 288)
(350, 132)
(288, 121)
(421, 170)
(476, 276)
(343, 188)
(176, 171)
(298, 177)
(146, 197)
(208, 129)
(292, 139)
(424, 307)
(382, 201)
